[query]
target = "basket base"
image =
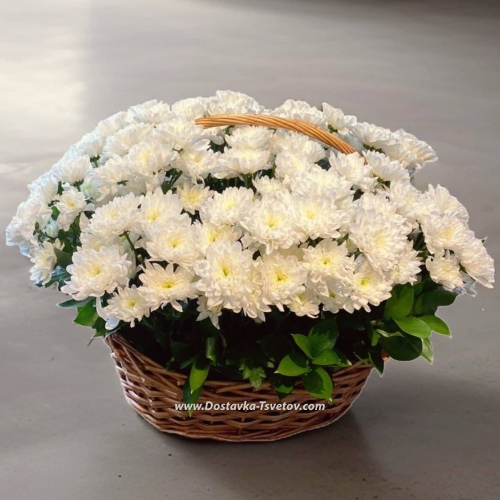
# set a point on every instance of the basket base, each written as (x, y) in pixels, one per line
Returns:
(153, 392)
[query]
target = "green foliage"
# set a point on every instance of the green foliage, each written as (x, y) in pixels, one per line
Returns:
(64, 259)
(402, 347)
(400, 304)
(428, 302)
(414, 326)
(199, 373)
(318, 383)
(87, 314)
(293, 365)
(436, 325)
(285, 350)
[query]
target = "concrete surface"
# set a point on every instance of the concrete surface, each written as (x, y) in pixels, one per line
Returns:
(421, 432)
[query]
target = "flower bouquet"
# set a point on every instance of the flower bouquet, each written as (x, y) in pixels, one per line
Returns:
(229, 254)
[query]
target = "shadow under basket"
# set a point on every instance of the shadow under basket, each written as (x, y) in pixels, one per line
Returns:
(154, 391)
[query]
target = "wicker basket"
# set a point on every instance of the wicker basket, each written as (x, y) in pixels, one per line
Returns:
(153, 391)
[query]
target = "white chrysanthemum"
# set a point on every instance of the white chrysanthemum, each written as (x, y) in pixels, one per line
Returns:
(94, 273)
(44, 260)
(318, 217)
(181, 134)
(20, 230)
(148, 157)
(44, 189)
(174, 243)
(127, 305)
(229, 102)
(444, 232)
(157, 210)
(338, 120)
(115, 218)
(213, 313)
(249, 137)
(190, 109)
(270, 222)
(320, 183)
(235, 162)
(51, 229)
(336, 296)
(90, 145)
(381, 204)
(228, 207)
(367, 287)
(121, 142)
(150, 112)
(407, 199)
(477, 263)
(445, 270)
(104, 182)
(197, 164)
(291, 166)
(270, 186)
(281, 278)
(111, 125)
(372, 135)
(381, 240)
(408, 266)
(305, 304)
(325, 262)
(384, 168)
(162, 286)
(354, 169)
(95, 188)
(224, 275)
(72, 171)
(70, 204)
(91, 241)
(300, 110)
(193, 196)
(284, 141)
(409, 150)
(439, 200)
(207, 234)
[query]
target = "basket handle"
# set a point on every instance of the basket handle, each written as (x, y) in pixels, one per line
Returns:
(277, 122)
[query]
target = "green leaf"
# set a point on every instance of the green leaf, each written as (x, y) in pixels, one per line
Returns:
(428, 302)
(372, 334)
(181, 351)
(400, 303)
(87, 315)
(326, 358)
(323, 335)
(283, 385)
(64, 259)
(343, 361)
(188, 396)
(319, 384)
(75, 303)
(254, 374)
(415, 327)
(199, 373)
(377, 361)
(427, 350)
(303, 342)
(275, 347)
(292, 365)
(402, 348)
(436, 325)
(210, 349)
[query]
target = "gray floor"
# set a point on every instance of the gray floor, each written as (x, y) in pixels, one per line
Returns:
(421, 432)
